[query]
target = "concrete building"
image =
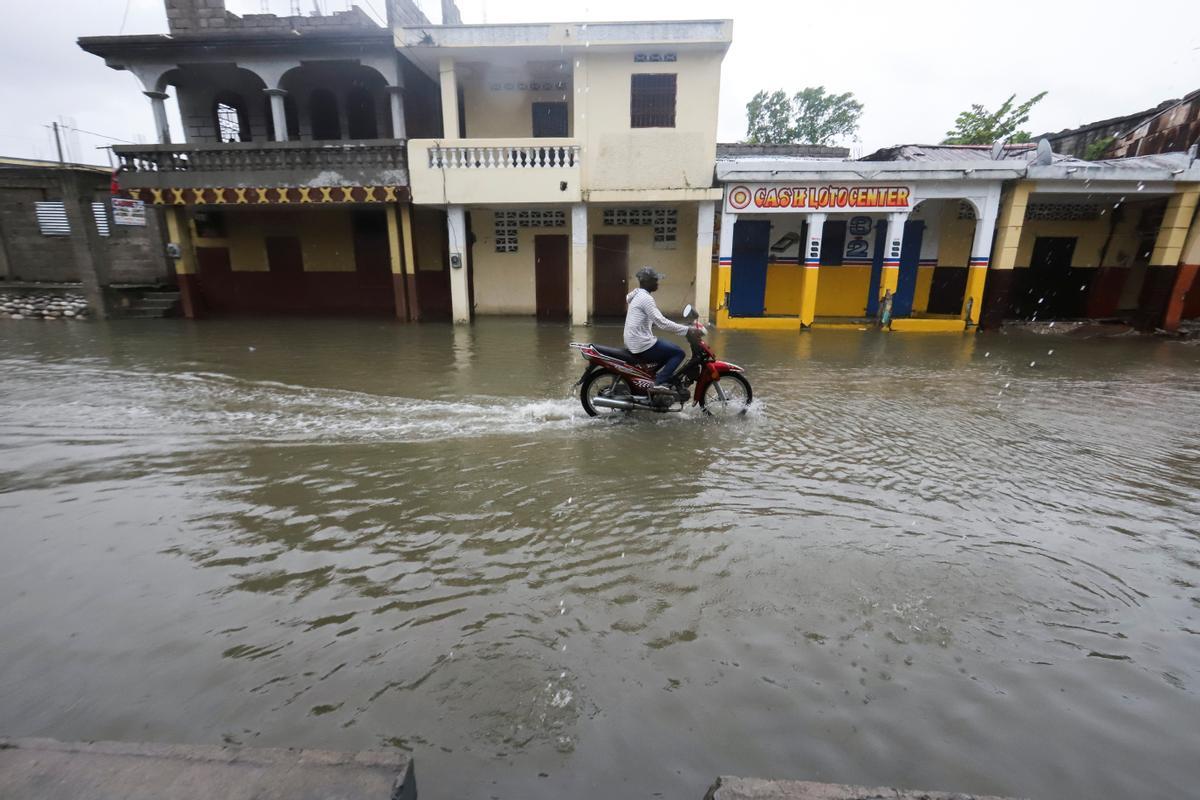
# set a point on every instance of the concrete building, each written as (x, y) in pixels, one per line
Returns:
(571, 155)
(59, 224)
(290, 192)
(953, 236)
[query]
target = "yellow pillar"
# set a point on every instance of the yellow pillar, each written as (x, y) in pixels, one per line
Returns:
(179, 233)
(999, 277)
(724, 267)
(408, 266)
(1168, 245)
(396, 246)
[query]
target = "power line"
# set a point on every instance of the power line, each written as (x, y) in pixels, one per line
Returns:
(124, 17)
(93, 133)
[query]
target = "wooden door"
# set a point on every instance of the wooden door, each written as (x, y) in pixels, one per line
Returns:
(610, 275)
(552, 277)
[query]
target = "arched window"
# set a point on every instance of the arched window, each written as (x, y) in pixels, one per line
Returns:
(323, 109)
(229, 119)
(360, 114)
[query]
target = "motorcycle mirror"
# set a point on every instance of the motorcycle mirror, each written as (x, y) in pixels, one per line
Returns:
(687, 311)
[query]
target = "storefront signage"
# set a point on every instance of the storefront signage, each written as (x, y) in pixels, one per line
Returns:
(128, 212)
(754, 198)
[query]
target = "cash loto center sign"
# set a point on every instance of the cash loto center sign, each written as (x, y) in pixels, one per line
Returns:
(753, 198)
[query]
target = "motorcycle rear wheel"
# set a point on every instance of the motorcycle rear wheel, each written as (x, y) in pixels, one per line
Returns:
(732, 399)
(602, 382)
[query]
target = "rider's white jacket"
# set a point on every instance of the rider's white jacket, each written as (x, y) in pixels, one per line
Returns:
(642, 318)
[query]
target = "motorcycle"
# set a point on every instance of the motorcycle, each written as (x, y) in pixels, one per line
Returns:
(616, 381)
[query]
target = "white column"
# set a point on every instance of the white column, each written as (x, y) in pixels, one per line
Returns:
(725, 259)
(579, 265)
(278, 113)
(460, 296)
(449, 84)
(705, 213)
(399, 129)
(159, 104)
(811, 254)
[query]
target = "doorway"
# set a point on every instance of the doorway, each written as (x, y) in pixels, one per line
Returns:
(550, 120)
(552, 277)
(748, 279)
(610, 275)
(1049, 293)
(910, 257)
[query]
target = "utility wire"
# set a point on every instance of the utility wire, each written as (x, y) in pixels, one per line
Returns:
(124, 17)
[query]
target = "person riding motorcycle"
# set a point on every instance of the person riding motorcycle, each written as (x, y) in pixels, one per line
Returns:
(643, 316)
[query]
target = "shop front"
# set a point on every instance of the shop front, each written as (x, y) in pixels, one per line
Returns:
(808, 243)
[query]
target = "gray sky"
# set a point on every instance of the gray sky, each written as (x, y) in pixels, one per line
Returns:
(913, 66)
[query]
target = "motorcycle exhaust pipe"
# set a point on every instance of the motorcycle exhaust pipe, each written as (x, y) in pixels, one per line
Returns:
(608, 402)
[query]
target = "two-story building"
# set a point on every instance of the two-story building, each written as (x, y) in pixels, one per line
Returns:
(548, 162)
(290, 190)
(571, 155)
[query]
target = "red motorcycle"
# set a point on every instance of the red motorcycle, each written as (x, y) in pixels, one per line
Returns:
(616, 381)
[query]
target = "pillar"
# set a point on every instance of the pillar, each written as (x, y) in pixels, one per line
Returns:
(449, 84)
(399, 127)
(396, 262)
(88, 249)
(999, 288)
(278, 113)
(1164, 259)
(179, 233)
(158, 102)
(410, 264)
(811, 264)
(579, 265)
(705, 214)
(977, 264)
(1186, 281)
(725, 265)
(889, 278)
(460, 293)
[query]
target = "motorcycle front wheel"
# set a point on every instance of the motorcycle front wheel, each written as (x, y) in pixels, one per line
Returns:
(728, 396)
(602, 383)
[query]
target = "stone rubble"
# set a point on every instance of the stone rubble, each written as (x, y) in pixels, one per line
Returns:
(42, 305)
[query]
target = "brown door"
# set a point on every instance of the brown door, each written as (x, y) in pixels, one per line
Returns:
(283, 288)
(552, 276)
(610, 275)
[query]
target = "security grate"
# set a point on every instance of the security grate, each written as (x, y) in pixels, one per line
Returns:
(652, 101)
(965, 210)
(506, 224)
(100, 213)
(52, 218)
(1062, 211)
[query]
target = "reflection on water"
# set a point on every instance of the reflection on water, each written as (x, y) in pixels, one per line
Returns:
(919, 561)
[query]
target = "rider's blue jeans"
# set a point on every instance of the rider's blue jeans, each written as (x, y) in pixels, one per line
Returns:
(669, 355)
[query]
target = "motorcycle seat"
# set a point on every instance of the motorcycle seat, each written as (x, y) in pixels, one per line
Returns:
(616, 352)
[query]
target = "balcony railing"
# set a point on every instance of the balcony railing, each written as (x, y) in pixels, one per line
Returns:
(341, 163)
(504, 156)
(496, 171)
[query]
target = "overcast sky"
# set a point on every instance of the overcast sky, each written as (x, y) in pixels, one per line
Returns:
(914, 66)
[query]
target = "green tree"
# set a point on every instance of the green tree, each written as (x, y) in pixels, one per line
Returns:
(811, 116)
(769, 118)
(977, 125)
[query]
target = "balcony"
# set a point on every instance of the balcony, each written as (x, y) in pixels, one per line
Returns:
(488, 171)
(295, 169)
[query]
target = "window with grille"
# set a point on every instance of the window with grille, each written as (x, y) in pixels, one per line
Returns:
(52, 218)
(507, 223)
(100, 213)
(229, 119)
(652, 101)
(1062, 211)
(664, 220)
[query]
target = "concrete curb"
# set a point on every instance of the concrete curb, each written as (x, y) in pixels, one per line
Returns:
(732, 788)
(47, 769)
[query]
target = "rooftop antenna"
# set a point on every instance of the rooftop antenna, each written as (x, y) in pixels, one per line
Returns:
(265, 7)
(296, 12)
(1045, 155)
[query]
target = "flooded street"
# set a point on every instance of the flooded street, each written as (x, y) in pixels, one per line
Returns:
(939, 562)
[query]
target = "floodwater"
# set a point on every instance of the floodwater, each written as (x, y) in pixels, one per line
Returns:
(943, 562)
